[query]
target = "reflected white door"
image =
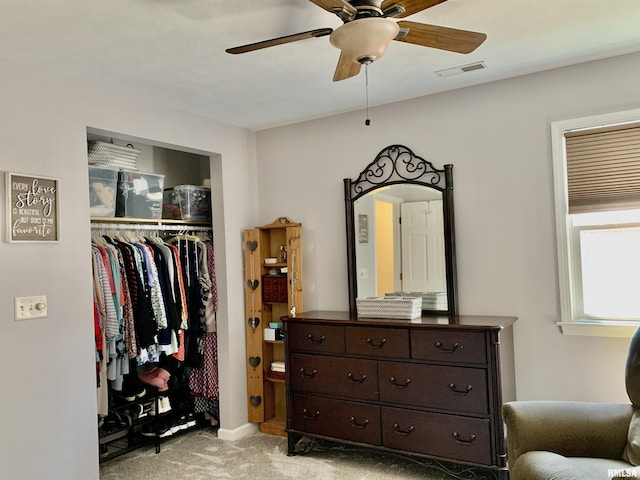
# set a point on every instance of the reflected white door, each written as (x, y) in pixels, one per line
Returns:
(423, 266)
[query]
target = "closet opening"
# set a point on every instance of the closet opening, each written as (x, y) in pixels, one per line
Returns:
(155, 290)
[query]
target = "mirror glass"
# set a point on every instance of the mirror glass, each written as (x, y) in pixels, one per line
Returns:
(400, 244)
(400, 240)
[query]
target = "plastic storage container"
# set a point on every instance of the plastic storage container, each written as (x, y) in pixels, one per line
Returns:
(139, 195)
(103, 184)
(187, 202)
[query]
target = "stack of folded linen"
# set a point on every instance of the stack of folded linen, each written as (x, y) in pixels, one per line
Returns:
(277, 370)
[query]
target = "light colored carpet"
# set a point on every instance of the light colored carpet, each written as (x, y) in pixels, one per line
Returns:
(200, 454)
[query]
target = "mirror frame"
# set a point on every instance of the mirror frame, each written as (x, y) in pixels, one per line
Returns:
(397, 165)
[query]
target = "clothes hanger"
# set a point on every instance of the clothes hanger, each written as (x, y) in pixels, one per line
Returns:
(182, 235)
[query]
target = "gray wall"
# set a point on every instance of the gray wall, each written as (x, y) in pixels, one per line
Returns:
(47, 370)
(497, 136)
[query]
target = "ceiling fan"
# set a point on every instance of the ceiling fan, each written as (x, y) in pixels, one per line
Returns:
(368, 29)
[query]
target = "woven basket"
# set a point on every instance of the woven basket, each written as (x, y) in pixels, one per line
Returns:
(401, 308)
(430, 300)
(103, 154)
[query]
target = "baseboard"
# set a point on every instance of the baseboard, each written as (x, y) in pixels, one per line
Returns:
(237, 433)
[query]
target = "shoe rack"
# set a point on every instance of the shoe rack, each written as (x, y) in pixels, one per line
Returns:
(273, 289)
(150, 415)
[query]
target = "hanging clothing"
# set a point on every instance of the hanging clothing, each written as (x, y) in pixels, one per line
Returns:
(155, 300)
(203, 381)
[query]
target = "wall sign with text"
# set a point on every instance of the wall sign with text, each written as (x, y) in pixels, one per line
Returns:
(32, 208)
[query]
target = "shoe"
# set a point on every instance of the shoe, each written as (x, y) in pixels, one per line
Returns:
(132, 381)
(104, 451)
(146, 408)
(191, 420)
(163, 430)
(180, 424)
(164, 405)
(148, 430)
(126, 396)
(131, 388)
(130, 414)
(114, 422)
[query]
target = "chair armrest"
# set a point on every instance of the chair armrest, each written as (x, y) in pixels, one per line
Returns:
(573, 429)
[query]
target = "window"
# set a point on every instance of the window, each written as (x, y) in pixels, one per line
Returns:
(597, 202)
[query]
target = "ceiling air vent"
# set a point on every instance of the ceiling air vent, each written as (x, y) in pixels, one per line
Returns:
(462, 69)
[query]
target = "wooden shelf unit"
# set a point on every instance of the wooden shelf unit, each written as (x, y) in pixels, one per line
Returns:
(266, 397)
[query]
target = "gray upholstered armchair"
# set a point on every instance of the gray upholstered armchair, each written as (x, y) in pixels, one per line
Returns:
(566, 440)
(559, 440)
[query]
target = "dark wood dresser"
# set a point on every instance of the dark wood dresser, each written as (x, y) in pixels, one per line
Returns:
(431, 387)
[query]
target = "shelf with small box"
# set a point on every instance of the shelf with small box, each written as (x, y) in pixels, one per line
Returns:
(273, 289)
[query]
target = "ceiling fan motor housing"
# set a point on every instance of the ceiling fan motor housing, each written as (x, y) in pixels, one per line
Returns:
(366, 39)
(367, 8)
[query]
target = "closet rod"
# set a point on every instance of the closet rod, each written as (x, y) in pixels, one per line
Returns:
(163, 228)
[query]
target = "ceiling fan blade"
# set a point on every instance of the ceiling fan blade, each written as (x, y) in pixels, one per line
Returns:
(410, 6)
(335, 5)
(346, 69)
(443, 38)
(319, 32)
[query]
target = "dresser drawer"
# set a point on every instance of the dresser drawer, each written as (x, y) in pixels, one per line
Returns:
(459, 389)
(315, 338)
(337, 418)
(449, 346)
(347, 377)
(447, 436)
(378, 342)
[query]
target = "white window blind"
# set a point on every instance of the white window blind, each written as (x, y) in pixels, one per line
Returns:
(603, 168)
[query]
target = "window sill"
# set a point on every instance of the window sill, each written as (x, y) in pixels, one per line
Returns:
(594, 328)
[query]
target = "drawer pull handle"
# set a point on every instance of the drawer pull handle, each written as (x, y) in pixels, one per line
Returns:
(356, 380)
(452, 387)
(462, 440)
(358, 425)
(376, 345)
(313, 340)
(403, 384)
(310, 416)
(308, 375)
(396, 427)
(451, 349)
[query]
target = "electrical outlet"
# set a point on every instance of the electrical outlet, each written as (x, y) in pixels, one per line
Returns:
(30, 307)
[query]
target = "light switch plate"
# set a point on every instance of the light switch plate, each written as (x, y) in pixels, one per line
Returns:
(30, 307)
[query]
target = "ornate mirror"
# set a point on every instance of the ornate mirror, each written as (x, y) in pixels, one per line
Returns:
(400, 231)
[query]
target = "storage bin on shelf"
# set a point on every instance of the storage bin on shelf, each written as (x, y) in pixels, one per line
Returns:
(401, 308)
(274, 288)
(103, 185)
(139, 195)
(187, 202)
(104, 154)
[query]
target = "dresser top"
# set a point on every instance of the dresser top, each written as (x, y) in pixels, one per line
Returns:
(480, 322)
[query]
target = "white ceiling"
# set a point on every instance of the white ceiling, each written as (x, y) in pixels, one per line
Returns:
(172, 51)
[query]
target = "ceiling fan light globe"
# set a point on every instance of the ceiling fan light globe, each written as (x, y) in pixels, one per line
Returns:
(365, 38)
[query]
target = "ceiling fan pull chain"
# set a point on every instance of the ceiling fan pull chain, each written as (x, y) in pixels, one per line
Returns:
(367, 122)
